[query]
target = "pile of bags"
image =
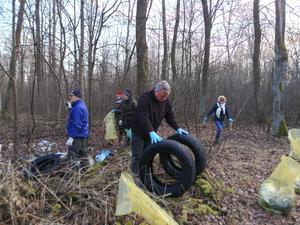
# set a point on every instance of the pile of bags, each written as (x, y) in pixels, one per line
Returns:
(277, 193)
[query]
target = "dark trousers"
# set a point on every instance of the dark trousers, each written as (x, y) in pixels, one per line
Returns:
(78, 151)
(137, 148)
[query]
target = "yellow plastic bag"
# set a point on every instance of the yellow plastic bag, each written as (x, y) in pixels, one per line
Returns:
(297, 185)
(277, 193)
(133, 199)
(110, 127)
(294, 137)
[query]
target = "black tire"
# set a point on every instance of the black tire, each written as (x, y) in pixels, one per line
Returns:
(186, 177)
(44, 164)
(194, 145)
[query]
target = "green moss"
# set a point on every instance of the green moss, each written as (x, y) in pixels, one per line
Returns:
(117, 223)
(129, 222)
(95, 167)
(205, 209)
(283, 130)
(219, 184)
(281, 87)
(205, 186)
(184, 215)
(27, 188)
(229, 190)
(56, 207)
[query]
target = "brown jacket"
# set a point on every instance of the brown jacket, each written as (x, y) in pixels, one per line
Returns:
(150, 113)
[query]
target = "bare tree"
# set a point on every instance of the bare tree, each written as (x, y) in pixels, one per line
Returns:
(173, 50)
(209, 12)
(81, 48)
(39, 46)
(141, 46)
(256, 58)
(12, 87)
(165, 42)
(128, 53)
(281, 60)
(96, 21)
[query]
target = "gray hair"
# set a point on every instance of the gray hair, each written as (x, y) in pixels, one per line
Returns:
(162, 86)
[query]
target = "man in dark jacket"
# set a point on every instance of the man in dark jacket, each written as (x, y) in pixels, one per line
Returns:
(153, 106)
(77, 128)
(220, 110)
(128, 106)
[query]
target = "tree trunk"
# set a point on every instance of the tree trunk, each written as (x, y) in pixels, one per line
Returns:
(39, 46)
(173, 50)
(16, 37)
(141, 47)
(256, 58)
(165, 56)
(81, 48)
(207, 34)
(281, 60)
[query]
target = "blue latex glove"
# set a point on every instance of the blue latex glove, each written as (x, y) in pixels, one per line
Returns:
(181, 131)
(154, 137)
(128, 133)
(205, 120)
(230, 120)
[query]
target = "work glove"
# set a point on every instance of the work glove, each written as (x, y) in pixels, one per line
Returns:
(205, 120)
(154, 137)
(69, 142)
(68, 104)
(120, 123)
(230, 120)
(128, 133)
(181, 131)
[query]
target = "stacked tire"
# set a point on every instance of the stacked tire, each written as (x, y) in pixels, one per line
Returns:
(181, 157)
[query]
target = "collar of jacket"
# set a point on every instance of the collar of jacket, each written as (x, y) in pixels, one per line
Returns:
(76, 102)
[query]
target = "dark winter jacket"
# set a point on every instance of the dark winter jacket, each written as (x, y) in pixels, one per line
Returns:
(77, 125)
(149, 114)
(222, 115)
(127, 110)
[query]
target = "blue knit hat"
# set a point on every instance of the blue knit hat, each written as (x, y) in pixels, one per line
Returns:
(76, 92)
(127, 92)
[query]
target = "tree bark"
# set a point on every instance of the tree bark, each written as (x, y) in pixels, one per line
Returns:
(173, 51)
(281, 60)
(165, 40)
(81, 48)
(256, 58)
(141, 47)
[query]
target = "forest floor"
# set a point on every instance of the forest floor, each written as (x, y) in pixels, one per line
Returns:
(246, 156)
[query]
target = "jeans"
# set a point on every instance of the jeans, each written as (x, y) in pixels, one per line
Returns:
(138, 146)
(219, 126)
(78, 151)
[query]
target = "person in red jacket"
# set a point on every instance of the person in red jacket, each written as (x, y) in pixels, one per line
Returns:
(153, 106)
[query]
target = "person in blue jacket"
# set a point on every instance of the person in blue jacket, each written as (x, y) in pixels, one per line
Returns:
(77, 128)
(220, 110)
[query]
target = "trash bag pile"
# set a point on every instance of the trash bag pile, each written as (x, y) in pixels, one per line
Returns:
(277, 193)
(294, 137)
